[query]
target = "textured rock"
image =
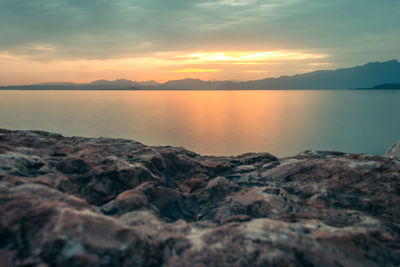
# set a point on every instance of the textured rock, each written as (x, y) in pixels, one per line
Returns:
(393, 151)
(112, 202)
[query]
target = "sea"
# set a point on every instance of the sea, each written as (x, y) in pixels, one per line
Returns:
(281, 122)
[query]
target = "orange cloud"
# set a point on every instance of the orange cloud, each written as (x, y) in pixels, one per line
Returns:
(319, 63)
(255, 71)
(252, 56)
(198, 70)
(161, 66)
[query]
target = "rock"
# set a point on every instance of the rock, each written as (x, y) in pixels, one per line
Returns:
(393, 151)
(127, 201)
(217, 188)
(77, 238)
(20, 164)
(72, 201)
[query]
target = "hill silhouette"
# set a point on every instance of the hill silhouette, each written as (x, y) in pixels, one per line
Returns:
(366, 76)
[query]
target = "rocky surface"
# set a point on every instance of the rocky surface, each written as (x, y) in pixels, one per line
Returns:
(112, 202)
(393, 151)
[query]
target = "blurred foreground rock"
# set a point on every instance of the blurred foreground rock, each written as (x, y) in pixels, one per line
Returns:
(393, 151)
(112, 202)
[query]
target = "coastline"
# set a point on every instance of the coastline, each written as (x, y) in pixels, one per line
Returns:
(103, 201)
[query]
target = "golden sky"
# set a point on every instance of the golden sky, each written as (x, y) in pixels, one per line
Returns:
(82, 41)
(163, 66)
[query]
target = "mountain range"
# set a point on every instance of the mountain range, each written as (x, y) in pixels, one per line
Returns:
(369, 76)
(120, 84)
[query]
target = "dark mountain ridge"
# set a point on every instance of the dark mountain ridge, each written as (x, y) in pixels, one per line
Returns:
(365, 76)
(387, 86)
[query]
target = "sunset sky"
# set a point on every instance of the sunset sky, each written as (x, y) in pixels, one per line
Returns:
(82, 41)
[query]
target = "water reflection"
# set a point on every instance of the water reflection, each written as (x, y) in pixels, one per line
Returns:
(215, 122)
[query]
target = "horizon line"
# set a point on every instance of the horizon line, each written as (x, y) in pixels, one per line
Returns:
(190, 78)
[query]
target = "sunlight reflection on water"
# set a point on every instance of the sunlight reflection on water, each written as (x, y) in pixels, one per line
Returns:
(216, 122)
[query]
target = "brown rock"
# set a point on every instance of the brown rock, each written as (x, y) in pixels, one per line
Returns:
(113, 202)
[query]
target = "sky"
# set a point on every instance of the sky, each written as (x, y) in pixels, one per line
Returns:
(82, 41)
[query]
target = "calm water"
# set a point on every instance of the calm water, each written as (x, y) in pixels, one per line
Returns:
(216, 122)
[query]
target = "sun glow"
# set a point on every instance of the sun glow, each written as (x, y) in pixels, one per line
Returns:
(160, 66)
(251, 56)
(198, 70)
(256, 71)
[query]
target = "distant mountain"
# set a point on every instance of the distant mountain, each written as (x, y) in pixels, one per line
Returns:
(357, 77)
(120, 84)
(387, 86)
(197, 84)
(150, 83)
(366, 76)
(58, 84)
(115, 84)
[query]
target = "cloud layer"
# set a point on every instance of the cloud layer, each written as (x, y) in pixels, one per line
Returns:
(352, 32)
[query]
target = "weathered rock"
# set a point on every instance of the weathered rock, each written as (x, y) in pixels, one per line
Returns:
(113, 202)
(393, 151)
(127, 201)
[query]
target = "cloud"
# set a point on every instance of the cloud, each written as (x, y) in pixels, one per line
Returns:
(351, 32)
(251, 56)
(197, 70)
(256, 71)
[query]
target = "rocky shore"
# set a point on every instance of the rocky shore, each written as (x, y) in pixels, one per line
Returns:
(73, 201)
